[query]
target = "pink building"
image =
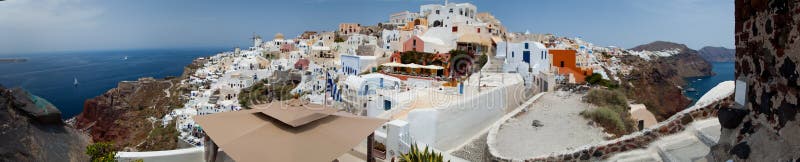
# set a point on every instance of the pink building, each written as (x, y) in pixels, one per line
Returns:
(414, 44)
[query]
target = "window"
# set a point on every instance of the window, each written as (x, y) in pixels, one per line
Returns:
(451, 10)
(512, 53)
(437, 12)
(414, 45)
(455, 29)
(526, 45)
(562, 63)
(479, 30)
(461, 11)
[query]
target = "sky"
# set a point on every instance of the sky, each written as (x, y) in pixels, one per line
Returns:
(34, 26)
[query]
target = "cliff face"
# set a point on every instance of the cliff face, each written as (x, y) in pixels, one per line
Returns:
(687, 63)
(718, 54)
(28, 133)
(129, 115)
(653, 81)
(763, 126)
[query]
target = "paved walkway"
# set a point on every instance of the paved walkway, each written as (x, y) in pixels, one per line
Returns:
(561, 128)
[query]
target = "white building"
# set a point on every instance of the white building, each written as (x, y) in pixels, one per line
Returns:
(351, 64)
(401, 18)
(389, 37)
(257, 41)
(529, 59)
(449, 14)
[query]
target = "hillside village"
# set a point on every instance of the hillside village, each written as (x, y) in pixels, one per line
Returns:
(444, 76)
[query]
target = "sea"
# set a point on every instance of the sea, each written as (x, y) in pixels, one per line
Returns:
(724, 72)
(52, 75)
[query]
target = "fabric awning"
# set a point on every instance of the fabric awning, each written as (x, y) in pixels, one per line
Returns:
(392, 64)
(286, 132)
(474, 38)
(434, 67)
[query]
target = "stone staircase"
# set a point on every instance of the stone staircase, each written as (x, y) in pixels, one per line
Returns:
(693, 144)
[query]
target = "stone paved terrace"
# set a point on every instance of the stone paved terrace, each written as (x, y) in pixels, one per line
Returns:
(562, 127)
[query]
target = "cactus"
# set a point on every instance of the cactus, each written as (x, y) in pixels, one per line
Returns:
(425, 156)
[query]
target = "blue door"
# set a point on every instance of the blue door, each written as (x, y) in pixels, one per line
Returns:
(526, 56)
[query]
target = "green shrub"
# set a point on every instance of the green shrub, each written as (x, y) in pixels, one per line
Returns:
(612, 112)
(606, 117)
(101, 152)
(424, 156)
(604, 97)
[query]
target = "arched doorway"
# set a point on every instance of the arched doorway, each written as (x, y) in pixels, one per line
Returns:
(437, 23)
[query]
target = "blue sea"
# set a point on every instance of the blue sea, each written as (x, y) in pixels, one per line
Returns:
(51, 75)
(725, 72)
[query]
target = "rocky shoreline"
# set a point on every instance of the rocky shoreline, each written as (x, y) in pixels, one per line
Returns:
(32, 130)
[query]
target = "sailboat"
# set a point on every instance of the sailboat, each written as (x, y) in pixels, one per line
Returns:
(126, 58)
(76, 82)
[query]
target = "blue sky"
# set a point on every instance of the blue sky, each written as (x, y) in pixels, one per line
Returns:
(28, 26)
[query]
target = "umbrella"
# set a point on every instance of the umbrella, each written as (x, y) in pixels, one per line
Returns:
(283, 132)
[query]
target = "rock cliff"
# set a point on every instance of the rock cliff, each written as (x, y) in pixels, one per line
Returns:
(31, 129)
(718, 54)
(129, 115)
(764, 126)
(656, 83)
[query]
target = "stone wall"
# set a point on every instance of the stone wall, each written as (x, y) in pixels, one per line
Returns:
(641, 139)
(763, 126)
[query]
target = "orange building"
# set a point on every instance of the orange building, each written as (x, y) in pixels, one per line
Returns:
(564, 61)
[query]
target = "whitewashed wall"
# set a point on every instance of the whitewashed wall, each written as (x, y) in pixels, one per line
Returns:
(451, 125)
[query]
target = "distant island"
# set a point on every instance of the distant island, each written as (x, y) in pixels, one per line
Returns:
(718, 54)
(12, 60)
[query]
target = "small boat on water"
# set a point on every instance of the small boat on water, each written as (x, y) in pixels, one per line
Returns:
(76, 82)
(126, 58)
(691, 90)
(699, 79)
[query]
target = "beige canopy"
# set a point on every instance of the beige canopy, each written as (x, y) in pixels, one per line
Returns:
(474, 38)
(284, 132)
